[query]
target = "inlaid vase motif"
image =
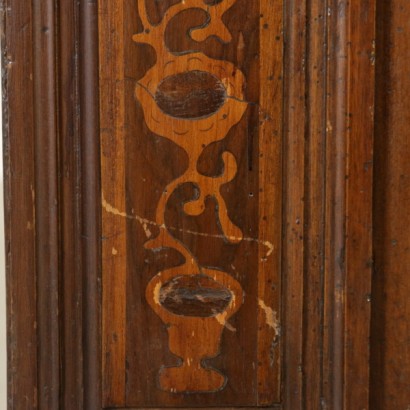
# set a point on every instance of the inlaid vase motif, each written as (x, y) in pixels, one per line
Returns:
(194, 101)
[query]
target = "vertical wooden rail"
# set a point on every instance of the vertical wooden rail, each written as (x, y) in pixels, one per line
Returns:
(328, 202)
(350, 127)
(270, 195)
(293, 205)
(17, 74)
(390, 358)
(335, 204)
(46, 202)
(69, 197)
(91, 215)
(113, 228)
(314, 201)
(359, 201)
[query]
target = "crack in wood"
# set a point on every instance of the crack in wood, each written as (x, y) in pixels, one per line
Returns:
(146, 222)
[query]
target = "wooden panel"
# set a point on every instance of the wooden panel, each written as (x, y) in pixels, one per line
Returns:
(191, 188)
(71, 305)
(17, 72)
(390, 385)
(270, 200)
(292, 163)
(293, 201)
(329, 78)
(348, 264)
(314, 214)
(46, 203)
(359, 194)
(90, 206)
(51, 365)
(278, 406)
(112, 124)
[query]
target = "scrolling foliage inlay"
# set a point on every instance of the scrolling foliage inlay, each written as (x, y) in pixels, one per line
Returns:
(191, 113)
(194, 101)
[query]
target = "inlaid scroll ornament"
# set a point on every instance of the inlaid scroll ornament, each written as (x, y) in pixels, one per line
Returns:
(192, 100)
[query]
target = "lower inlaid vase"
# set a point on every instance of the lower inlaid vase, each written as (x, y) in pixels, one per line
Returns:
(195, 309)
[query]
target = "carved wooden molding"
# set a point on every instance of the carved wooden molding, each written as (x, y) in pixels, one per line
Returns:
(55, 216)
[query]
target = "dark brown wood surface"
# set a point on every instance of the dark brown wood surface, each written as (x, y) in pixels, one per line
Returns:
(71, 302)
(51, 208)
(19, 148)
(390, 381)
(138, 164)
(85, 173)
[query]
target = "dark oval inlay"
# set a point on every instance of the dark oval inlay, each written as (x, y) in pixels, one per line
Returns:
(190, 95)
(195, 295)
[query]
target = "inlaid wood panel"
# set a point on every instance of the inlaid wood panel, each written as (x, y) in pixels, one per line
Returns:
(191, 117)
(189, 203)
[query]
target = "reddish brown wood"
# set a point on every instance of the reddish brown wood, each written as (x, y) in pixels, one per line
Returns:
(348, 208)
(128, 140)
(346, 198)
(314, 213)
(278, 406)
(390, 387)
(69, 152)
(90, 234)
(270, 201)
(335, 206)
(18, 122)
(301, 197)
(293, 201)
(359, 195)
(112, 100)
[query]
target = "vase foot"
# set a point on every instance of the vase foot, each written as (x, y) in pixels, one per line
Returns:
(191, 379)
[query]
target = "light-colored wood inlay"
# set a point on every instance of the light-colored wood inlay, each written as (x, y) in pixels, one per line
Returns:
(168, 112)
(194, 101)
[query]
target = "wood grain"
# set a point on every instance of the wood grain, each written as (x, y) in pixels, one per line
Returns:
(89, 204)
(349, 156)
(46, 203)
(193, 132)
(69, 195)
(314, 213)
(293, 202)
(390, 360)
(192, 94)
(327, 203)
(112, 114)
(290, 225)
(278, 406)
(359, 197)
(270, 201)
(147, 157)
(309, 88)
(18, 123)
